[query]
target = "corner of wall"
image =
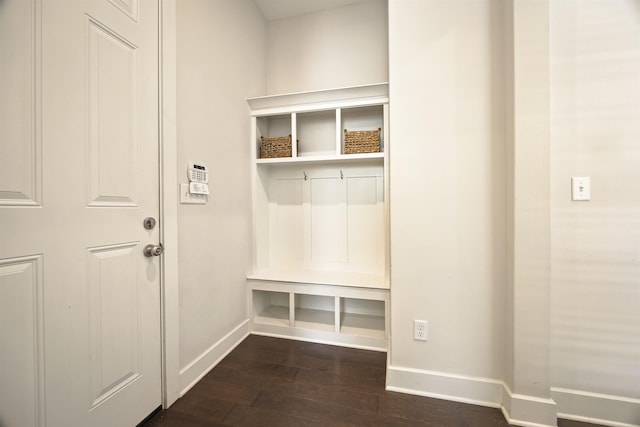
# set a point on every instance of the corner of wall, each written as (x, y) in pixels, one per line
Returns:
(528, 411)
(201, 365)
(220, 63)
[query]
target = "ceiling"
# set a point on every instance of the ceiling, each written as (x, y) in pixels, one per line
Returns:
(277, 9)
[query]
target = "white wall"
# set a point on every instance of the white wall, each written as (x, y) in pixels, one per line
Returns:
(595, 310)
(220, 62)
(447, 106)
(460, 121)
(339, 47)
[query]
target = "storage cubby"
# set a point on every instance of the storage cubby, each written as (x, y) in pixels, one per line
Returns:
(362, 317)
(273, 126)
(337, 315)
(362, 118)
(314, 312)
(271, 307)
(316, 133)
(320, 219)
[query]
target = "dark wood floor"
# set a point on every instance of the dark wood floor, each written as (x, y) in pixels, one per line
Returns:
(276, 382)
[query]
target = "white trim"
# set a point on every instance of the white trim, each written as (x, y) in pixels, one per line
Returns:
(528, 411)
(169, 202)
(201, 365)
(521, 423)
(518, 409)
(440, 385)
(597, 408)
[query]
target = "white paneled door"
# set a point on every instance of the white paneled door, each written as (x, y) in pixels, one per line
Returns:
(79, 301)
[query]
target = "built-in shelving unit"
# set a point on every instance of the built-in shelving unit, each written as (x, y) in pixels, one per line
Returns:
(321, 263)
(349, 316)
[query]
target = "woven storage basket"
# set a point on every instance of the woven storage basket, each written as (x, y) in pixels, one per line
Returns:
(361, 141)
(272, 147)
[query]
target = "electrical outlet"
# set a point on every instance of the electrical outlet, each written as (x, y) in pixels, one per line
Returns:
(420, 330)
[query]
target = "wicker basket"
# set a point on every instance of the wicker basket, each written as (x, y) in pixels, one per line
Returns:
(362, 141)
(279, 146)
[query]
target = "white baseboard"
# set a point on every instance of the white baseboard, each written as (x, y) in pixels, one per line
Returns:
(201, 365)
(596, 408)
(526, 411)
(459, 388)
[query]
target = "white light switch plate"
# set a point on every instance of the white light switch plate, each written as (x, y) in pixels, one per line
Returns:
(189, 198)
(580, 188)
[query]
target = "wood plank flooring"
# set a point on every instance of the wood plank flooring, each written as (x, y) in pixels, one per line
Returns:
(277, 382)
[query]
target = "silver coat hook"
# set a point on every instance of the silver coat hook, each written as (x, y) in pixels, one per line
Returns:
(305, 175)
(341, 175)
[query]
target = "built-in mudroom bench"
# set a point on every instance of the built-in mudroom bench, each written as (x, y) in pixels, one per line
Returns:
(320, 216)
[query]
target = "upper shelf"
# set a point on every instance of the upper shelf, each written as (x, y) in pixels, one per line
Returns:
(337, 125)
(342, 158)
(320, 100)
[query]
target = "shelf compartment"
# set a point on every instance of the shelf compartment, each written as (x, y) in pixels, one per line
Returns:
(316, 133)
(314, 312)
(274, 126)
(336, 315)
(362, 118)
(271, 308)
(362, 317)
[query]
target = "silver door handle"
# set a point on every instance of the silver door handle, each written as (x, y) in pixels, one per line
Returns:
(153, 250)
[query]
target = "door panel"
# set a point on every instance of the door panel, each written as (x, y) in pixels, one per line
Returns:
(113, 319)
(21, 337)
(20, 154)
(113, 118)
(83, 176)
